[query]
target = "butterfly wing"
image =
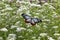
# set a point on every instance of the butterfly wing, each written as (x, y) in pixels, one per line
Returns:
(32, 22)
(28, 20)
(36, 20)
(26, 17)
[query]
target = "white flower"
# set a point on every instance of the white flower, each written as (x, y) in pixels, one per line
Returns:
(28, 12)
(37, 13)
(55, 27)
(43, 17)
(28, 25)
(2, 0)
(43, 34)
(29, 30)
(51, 7)
(38, 26)
(3, 10)
(35, 16)
(13, 26)
(1, 38)
(47, 20)
(46, 4)
(41, 10)
(22, 8)
(20, 28)
(44, 26)
(35, 5)
(19, 10)
(10, 1)
(18, 22)
(54, 12)
(58, 38)
(57, 34)
(50, 38)
(20, 36)
(6, 5)
(22, 2)
(39, 37)
(33, 37)
(9, 8)
(3, 29)
(54, 15)
(11, 37)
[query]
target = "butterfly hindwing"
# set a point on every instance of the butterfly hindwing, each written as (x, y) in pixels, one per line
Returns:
(35, 21)
(27, 20)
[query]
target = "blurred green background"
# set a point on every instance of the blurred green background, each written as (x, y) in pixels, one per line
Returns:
(13, 27)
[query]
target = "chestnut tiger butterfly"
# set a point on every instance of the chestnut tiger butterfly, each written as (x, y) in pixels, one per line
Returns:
(29, 19)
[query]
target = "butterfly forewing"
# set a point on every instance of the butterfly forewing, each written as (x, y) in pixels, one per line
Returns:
(26, 16)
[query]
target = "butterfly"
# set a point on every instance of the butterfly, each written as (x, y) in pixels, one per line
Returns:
(31, 20)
